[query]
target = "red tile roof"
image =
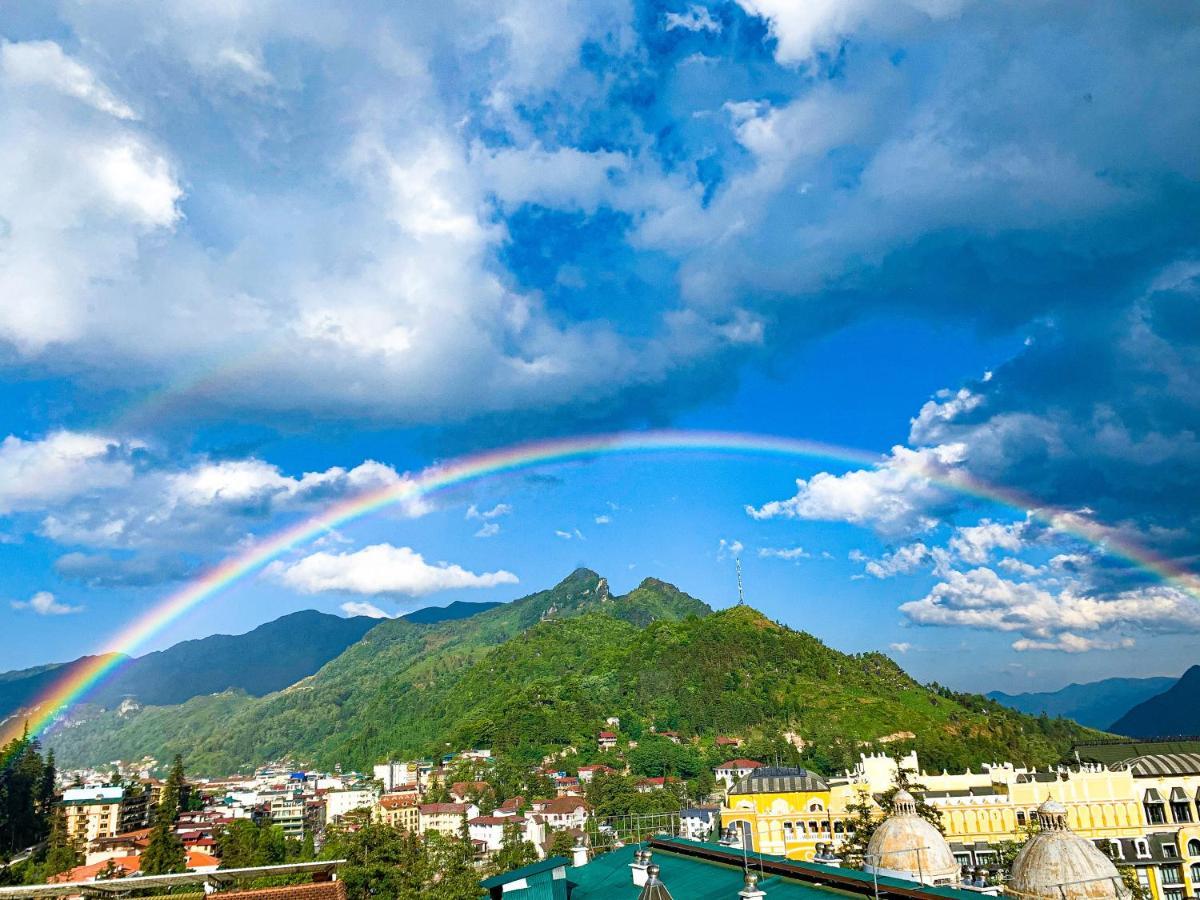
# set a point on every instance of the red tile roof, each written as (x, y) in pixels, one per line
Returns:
(740, 764)
(607, 735)
(321, 890)
(430, 809)
(563, 805)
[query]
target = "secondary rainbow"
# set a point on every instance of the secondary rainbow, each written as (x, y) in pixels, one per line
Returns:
(78, 680)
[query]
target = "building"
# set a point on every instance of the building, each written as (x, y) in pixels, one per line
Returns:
(393, 774)
(606, 740)
(297, 815)
(446, 818)
(906, 846)
(338, 803)
(464, 791)
(563, 812)
(1056, 864)
(488, 831)
(697, 823)
(732, 771)
(783, 811)
(587, 773)
(92, 812)
(401, 811)
(131, 865)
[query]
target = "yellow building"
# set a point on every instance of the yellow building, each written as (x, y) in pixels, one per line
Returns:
(785, 811)
(91, 813)
(401, 811)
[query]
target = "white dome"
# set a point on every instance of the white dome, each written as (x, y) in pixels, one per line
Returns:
(1057, 864)
(906, 846)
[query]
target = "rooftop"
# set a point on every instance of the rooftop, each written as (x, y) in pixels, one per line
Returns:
(779, 780)
(702, 871)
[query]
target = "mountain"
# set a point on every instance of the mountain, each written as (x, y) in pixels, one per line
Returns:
(543, 672)
(1173, 712)
(266, 659)
(456, 610)
(1094, 704)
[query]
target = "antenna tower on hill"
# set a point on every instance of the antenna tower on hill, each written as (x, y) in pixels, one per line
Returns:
(741, 593)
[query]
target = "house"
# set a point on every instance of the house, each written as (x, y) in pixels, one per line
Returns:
(130, 843)
(614, 721)
(489, 830)
(401, 811)
(732, 771)
(446, 818)
(606, 740)
(646, 785)
(672, 736)
(698, 822)
(587, 773)
(511, 806)
(725, 741)
(462, 791)
(567, 786)
(339, 803)
(563, 812)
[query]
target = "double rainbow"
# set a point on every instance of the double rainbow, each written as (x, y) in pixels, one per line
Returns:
(79, 679)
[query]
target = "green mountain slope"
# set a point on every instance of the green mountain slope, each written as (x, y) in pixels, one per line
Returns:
(1095, 704)
(544, 672)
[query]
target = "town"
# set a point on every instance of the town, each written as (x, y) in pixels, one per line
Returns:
(1129, 809)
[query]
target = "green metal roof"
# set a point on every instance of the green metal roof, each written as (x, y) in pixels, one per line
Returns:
(546, 865)
(695, 878)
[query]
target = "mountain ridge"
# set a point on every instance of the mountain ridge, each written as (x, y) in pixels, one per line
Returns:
(1094, 703)
(543, 672)
(1176, 711)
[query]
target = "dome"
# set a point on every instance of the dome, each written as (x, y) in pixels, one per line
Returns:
(906, 846)
(1057, 863)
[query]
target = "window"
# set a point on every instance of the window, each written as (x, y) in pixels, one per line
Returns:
(1143, 849)
(1021, 817)
(1143, 878)
(1193, 847)
(963, 859)
(838, 828)
(1181, 811)
(788, 834)
(1155, 813)
(1170, 851)
(1195, 873)
(1114, 850)
(1171, 874)
(1173, 895)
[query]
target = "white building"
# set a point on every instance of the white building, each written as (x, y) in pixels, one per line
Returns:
(732, 771)
(338, 803)
(394, 774)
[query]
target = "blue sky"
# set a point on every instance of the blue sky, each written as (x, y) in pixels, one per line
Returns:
(259, 257)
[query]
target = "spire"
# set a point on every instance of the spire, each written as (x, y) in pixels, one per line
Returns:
(741, 594)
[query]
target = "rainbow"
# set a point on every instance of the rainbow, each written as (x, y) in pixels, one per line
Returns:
(78, 680)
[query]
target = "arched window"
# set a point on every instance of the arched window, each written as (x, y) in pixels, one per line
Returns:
(1194, 847)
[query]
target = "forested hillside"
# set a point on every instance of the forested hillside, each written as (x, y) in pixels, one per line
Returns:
(543, 672)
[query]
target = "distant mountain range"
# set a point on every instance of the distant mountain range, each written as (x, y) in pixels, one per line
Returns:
(1097, 704)
(543, 672)
(266, 659)
(1175, 711)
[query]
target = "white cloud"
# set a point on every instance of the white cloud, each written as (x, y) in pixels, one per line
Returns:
(380, 569)
(364, 608)
(573, 535)
(36, 474)
(43, 63)
(901, 561)
(500, 509)
(899, 495)
(44, 604)
(694, 18)
(901, 646)
(603, 520)
(974, 543)
(725, 548)
(803, 29)
(1047, 617)
(488, 529)
(792, 553)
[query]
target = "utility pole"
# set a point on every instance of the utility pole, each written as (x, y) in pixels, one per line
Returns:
(741, 594)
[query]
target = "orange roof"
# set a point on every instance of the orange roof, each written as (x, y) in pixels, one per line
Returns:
(740, 764)
(388, 801)
(131, 865)
(319, 890)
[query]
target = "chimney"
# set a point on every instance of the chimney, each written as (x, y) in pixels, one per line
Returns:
(641, 862)
(751, 891)
(579, 853)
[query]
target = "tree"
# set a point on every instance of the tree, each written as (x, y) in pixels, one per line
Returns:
(164, 855)
(1137, 891)
(244, 843)
(168, 805)
(62, 853)
(514, 851)
(860, 825)
(561, 843)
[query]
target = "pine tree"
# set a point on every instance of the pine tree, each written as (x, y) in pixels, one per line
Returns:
(165, 854)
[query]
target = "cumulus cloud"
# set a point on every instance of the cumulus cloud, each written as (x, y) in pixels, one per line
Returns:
(726, 549)
(380, 570)
(900, 646)
(900, 494)
(36, 474)
(488, 529)
(44, 64)
(44, 604)
(602, 519)
(1052, 618)
(901, 561)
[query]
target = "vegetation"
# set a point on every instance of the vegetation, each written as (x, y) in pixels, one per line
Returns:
(382, 861)
(165, 853)
(539, 676)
